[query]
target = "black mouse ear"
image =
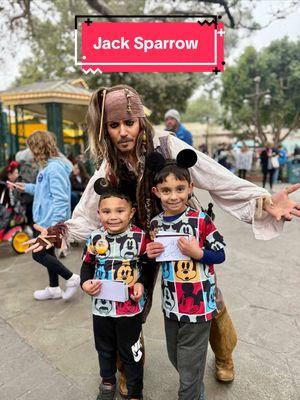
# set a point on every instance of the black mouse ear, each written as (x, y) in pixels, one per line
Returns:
(155, 161)
(100, 186)
(186, 158)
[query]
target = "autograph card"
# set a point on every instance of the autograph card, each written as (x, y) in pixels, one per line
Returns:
(113, 290)
(171, 251)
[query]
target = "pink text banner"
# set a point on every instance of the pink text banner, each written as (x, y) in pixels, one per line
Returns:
(152, 47)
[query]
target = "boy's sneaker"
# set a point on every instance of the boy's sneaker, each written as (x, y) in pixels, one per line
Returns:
(48, 293)
(106, 392)
(72, 285)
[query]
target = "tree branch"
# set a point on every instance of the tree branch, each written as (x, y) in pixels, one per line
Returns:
(102, 8)
(226, 8)
(25, 4)
(293, 126)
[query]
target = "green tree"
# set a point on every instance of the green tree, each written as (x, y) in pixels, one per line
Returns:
(48, 26)
(202, 109)
(52, 57)
(52, 44)
(278, 67)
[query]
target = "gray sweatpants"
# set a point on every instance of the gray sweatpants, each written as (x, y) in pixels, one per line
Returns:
(187, 349)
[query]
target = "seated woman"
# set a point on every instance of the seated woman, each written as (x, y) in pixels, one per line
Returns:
(9, 173)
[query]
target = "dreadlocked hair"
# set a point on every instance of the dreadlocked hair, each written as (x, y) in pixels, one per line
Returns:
(102, 148)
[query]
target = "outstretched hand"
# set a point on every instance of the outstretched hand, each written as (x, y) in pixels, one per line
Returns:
(35, 246)
(16, 185)
(283, 207)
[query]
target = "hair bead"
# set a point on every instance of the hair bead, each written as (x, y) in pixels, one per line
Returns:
(128, 96)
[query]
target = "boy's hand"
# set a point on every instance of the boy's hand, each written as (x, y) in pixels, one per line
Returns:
(154, 249)
(92, 287)
(190, 248)
(138, 291)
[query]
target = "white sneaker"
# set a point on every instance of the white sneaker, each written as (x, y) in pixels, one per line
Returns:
(48, 293)
(72, 285)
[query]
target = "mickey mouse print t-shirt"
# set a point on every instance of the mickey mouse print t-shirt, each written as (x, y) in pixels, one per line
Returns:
(115, 258)
(188, 286)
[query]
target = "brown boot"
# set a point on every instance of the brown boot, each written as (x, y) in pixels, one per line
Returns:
(225, 370)
(223, 340)
(121, 373)
(121, 378)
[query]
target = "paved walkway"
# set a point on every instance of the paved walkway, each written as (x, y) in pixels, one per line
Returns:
(25, 373)
(47, 347)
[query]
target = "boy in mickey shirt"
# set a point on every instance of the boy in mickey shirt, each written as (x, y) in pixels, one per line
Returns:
(113, 253)
(188, 285)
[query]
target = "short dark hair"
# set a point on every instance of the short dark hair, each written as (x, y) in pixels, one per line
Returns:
(171, 167)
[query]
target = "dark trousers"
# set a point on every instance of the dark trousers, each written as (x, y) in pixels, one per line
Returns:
(75, 197)
(242, 173)
(267, 172)
(120, 335)
(280, 175)
(187, 349)
(55, 268)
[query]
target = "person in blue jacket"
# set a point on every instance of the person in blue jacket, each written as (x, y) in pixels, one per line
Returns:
(282, 161)
(172, 121)
(51, 205)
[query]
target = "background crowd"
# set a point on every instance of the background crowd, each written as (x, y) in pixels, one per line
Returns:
(267, 164)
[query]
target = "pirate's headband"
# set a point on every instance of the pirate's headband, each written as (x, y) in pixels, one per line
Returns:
(121, 104)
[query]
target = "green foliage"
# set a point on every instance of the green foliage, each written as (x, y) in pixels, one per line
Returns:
(52, 46)
(202, 109)
(278, 65)
(126, 7)
(159, 91)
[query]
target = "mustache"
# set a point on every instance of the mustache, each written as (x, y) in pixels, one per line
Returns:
(125, 140)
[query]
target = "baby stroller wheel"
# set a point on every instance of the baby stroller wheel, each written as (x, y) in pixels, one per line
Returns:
(17, 242)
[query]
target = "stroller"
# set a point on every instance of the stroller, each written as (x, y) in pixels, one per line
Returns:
(13, 225)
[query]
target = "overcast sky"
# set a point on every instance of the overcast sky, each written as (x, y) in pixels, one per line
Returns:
(278, 29)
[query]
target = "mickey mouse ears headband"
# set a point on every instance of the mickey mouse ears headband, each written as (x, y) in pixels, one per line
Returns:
(186, 158)
(122, 190)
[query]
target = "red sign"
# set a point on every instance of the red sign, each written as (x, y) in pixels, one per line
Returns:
(152, 47)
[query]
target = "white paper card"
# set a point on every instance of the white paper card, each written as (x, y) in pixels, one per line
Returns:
(113, 290)
(171, 251)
